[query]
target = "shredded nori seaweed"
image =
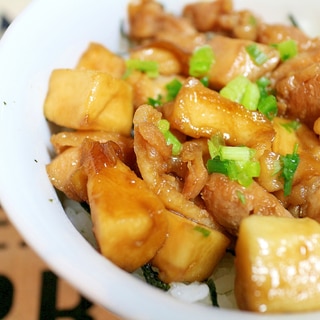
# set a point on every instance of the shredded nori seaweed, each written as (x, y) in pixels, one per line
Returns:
(152, 277)
(85, 206)
(213, 292)
(293, 21)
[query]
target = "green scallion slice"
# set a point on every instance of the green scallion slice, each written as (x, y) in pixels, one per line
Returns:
(235, 153)
(243, 91)
(205, 232)
(173, 88)
(236, 163)
(151, 68)
(201, 61)
(155, 102)
(268, 106)
(218, 166)
(171, 139)
(256, 54)
(291, 126)
(287, 49)
(289, 164)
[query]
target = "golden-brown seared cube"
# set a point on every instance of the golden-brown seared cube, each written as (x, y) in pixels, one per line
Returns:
(278, 264)
(232, 60)
(269, 177)
(89, 100)
(285, 138)
(99, 58)
(190, 252)
(290, 132)
(201, 112)
(66, 139)
(168, 62)
(61, 169)
(145, 87)
(128, 218)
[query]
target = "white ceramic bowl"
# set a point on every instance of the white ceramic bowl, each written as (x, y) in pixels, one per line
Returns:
(51, 34)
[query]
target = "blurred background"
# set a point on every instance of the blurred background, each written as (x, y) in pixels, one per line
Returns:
(29, 290)
(9, 9)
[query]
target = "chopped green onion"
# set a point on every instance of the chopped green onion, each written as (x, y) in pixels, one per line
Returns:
(173, 88)
(235, 162)
(205, 81)
(276, 166)
(171, 139)
(151, 68)
(256, 55)
(289, 164)
(268, 102)
(251, 96)
(201, 61)
(291, 126)
(164, 125)
(205, 232)
(263, 84)
(244, 171)
(251, 169)
(214, 144)
(252, 20)
(241, 197)
(213, 292)
(268, 106)
(218, 166)
(235, 88)
(155, 102)
(235, 153)
(241, 171)
(287, 49)
(243, 91)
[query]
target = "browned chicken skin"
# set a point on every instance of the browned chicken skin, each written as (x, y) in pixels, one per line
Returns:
(299, 93)
(229, 202)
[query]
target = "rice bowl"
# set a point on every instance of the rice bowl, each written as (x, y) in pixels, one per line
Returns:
(26, 193)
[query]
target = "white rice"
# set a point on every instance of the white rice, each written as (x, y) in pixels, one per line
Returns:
(81, 220)
(195, 292)
(223, 278)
